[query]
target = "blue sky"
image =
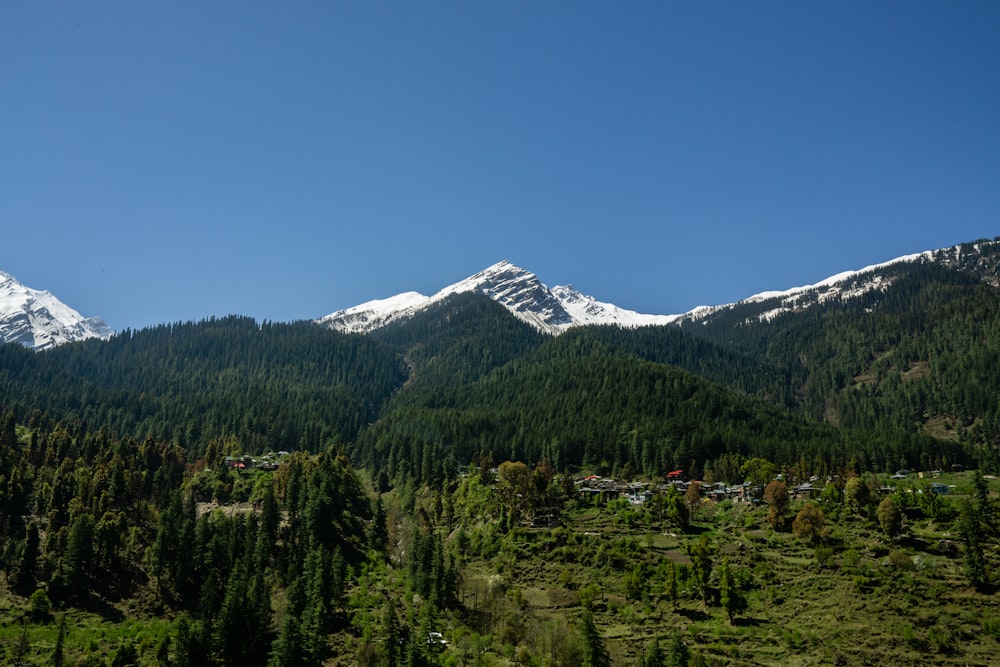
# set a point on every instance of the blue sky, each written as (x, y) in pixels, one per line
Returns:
(170, 161)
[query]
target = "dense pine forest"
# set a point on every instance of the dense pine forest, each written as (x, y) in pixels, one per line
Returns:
(458, 488)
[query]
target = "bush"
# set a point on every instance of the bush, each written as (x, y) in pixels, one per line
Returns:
(900, 561)
(41, 606)
(823, 554)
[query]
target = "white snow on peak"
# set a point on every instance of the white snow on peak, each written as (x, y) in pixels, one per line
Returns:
(836, 279)
(585, 309)
(561, 307)
(843, 286)
(549, 310)
(39, 320)
(374, 314)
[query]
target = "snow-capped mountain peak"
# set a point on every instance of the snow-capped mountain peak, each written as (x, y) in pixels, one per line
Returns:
(561, 307)
(520, 291)
(39, 320)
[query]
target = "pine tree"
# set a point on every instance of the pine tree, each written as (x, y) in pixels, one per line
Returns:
(984, 506)
(231, 626)
(653, 657)
(677, 652)
(191, 644)
(729, 594)
(972, 533)
(27, 562)
(288, 650)
(57, 652)
(79, 554)
(316, 614)
(671, 583)
(378, 534)
(595, 653)
(701, 565)
(392, 634)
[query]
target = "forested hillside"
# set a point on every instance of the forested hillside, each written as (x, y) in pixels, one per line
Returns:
(451, 489)
(270, 386)
(922, 355)
(95, 527)
(575, 402)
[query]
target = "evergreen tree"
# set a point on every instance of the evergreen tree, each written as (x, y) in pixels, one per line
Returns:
(595, 653)
(653, 657)
(700, 553)
(231, 625)
(670, 582)
(288, 649)
(378, 536)
(971, 530)
(79, 554)
(677, 652)
(24, 576)
(316, 614)
(192, 647)
(392, 634)
(730, 596)
(60, 647)
(984, 506)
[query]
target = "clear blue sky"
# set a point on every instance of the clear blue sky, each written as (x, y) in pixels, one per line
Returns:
(169, 161)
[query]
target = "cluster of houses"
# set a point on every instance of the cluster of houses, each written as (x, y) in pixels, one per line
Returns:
(605, 489)
(265, 462)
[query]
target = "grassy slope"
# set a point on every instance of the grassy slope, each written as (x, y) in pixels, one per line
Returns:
(521, 594)
(857, 609)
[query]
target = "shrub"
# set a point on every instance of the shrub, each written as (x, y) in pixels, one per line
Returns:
(900, 561)
(823, 554)
(41, 606)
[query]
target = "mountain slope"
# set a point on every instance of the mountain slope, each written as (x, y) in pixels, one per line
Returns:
(578, 401)
(39, 320)
(979, 258)
(458, 340)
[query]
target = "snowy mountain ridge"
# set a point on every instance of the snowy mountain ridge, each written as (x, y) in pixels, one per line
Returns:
(553, 310)
(981, 258)
(39, 320)
(550, 310)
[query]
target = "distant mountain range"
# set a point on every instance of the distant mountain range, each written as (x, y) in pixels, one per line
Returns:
(562, 307)
(896, 364)
(38, 320)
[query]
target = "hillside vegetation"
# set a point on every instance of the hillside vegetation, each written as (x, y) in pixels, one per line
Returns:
(117, 553)
(459, 489)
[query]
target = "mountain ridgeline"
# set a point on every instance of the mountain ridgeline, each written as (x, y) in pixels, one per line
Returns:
(896, 366)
